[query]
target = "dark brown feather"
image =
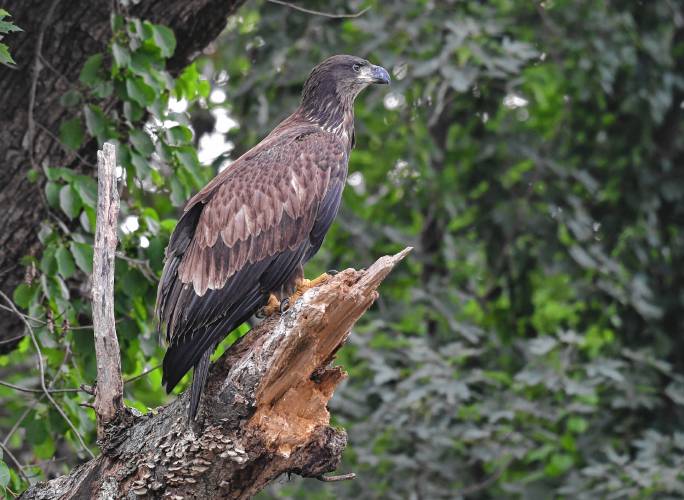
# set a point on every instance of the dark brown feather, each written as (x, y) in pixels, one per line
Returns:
(264, 205)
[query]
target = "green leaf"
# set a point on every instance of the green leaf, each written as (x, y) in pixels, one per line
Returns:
(83, 255)
(164, 39)
(33, 176)
(188, 157)
(177, 193)
(139, 91)
(46, 449)
(4, 474)
(141, 62)
(56, 173)
(186, 83)
(71, 133)
(132, 111)
(577, 425)
(37, 429)
(87, 189)
(133, 283)
(142, 167)
(87, 219)
(89, 73)
(70, 98)
(178, 135)
(48, 264)
(560, 462)
(95, 120)
(103, 89)
(155, 254)
(5, 57)
(117, 22)
(203, 88)
(6, 27)
(142, 142)
(23, 295)
(70, 202)
(121, 55)
(65, 263)
(52, 194)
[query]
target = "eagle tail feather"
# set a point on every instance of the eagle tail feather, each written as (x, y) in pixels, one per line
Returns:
(199, 378)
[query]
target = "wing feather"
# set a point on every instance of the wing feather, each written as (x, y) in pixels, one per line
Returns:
(243, 236)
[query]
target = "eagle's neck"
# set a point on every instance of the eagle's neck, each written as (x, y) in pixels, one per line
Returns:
(330, 111)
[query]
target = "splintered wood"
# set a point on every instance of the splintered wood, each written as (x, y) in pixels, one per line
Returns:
(294, 391)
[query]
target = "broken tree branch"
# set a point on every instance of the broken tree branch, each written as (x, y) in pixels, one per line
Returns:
(263, 412)
(109, 390)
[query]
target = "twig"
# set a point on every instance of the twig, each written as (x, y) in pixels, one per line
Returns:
(38, 320)
(11, 339)
(142, 264)
(137, 377)
(55, 70)
(58, 141)
(29, 389)
(109, 392)
(20, 468)
(36, 401)
(318, 12)
(34, 80)
(334, 479)
(39, 355)
(25, 316)
(475, 488)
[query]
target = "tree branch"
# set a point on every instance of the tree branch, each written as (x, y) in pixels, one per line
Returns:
(318, 12)
(263, 412)
(109, 391)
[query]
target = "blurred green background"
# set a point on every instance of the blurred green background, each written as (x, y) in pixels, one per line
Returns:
(532, 153)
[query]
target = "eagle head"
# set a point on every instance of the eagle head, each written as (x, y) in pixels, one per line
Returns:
(344, 76)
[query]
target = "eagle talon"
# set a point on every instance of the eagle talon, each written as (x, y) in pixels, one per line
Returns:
(272, 306)
(284, 305)
(332, 272)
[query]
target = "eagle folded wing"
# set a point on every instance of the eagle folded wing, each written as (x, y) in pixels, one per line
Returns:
(244, 234)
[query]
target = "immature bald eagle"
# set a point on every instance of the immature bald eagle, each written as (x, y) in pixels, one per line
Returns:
(243, 239)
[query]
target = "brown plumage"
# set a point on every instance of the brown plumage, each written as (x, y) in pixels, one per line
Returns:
(248, 233)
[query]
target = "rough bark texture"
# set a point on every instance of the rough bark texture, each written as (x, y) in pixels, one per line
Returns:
(109, 390)
(70, 31)
(263, 412)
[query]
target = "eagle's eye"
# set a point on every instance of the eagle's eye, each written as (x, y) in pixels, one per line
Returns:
(356, 67)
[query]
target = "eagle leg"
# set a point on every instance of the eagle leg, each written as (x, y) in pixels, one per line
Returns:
(271, 307)
(304, 284)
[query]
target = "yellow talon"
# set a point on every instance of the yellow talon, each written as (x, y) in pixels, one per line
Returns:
(305, 284)
(272, 306)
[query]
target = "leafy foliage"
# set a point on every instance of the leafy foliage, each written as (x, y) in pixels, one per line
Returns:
(6, 27)
(528, 349)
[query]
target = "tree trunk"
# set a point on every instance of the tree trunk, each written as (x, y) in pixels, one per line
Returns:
(263, 412)
(58, 37)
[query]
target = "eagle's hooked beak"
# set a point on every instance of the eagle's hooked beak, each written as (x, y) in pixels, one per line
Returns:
(374, 74)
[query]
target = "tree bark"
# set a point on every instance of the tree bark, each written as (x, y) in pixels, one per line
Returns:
(109, 389)
(263, 412)
(58, 37)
